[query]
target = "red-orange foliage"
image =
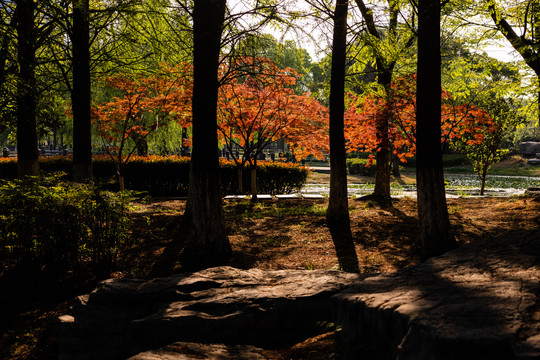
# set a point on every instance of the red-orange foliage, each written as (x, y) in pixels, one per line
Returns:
(457, 119)
(145, 103)
(260, 107)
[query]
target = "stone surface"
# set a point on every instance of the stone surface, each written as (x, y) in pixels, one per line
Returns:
(122, 318)
(534, 162)
(188, 351)
(476, 302)
(529, 148)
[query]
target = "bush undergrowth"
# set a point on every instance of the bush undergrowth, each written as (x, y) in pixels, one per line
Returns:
(46, 223)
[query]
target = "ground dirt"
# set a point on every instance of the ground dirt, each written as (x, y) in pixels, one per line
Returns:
(272, 234)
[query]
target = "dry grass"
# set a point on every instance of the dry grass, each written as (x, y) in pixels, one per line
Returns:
(292, 234)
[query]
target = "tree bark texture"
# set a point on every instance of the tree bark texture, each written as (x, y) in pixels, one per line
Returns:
(207, 244)
(27, 142)
(80, 95)
(435, 236)
(337, 215)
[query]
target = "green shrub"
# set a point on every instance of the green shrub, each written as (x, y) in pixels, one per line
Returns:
(272, 177)
(279, 178)
(169, 175)
(45, 222)
(358, 167)
(359, 155)
(449, 160)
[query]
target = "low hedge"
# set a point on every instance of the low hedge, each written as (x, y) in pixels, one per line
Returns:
(169, 175)
(272, 177)
(358, 167)
(449, 160)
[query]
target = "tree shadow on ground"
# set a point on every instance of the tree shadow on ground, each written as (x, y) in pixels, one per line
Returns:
(167, 262)
(388, 231)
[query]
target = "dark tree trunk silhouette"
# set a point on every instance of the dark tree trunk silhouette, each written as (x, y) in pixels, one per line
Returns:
(80, 94)
(382, 157)
(207, 244)
(527, 44)
(253, 174)
(385, 68)
(337, 215)
(435, 236)
(395, 167)
(27, 142)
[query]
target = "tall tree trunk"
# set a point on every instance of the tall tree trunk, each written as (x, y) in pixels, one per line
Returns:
(435, 236)
(27, 142)
(80, 95)
(207, 244)
(382, 157)
(240, 175)
(337, 215)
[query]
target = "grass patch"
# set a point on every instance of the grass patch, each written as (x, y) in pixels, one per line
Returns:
(244, 209)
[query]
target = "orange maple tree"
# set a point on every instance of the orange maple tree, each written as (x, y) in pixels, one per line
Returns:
(144, 104)
(259, 107)
(458, 120)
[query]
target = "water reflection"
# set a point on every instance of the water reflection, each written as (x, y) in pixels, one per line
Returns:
(457, 185)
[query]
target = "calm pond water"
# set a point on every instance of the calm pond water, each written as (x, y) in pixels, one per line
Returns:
(456, 185)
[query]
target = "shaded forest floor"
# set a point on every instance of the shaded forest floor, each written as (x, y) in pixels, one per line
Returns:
(274, 234)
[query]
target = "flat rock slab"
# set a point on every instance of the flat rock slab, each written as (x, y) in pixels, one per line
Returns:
(288, 196)
(476, 302)
(313, 196)
(188, 351)
(223, 305)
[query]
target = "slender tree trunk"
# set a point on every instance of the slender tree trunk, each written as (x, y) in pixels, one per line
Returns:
(183, 149)
(253, 171)
(207, 244)
(240, 174)
(27, 142)
(80, 95)
(121, 182)
(337, 215)
(395, 167)
(435, 236)
(4, 51)
(528, 48)
(382, 174)
(142, 146)
(483, 179)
